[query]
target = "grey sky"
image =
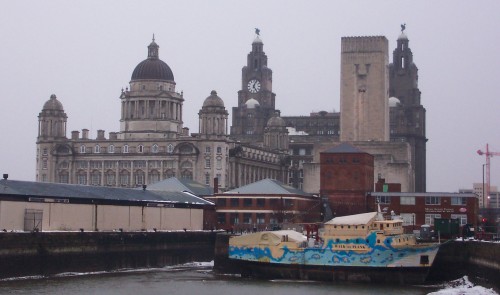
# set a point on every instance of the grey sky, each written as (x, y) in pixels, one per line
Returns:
(85, 52)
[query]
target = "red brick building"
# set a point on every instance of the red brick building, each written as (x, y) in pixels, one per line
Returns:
(417, 209)
(265, 204)
(346, 177)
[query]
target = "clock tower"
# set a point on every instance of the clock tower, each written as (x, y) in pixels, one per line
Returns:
(255, 99)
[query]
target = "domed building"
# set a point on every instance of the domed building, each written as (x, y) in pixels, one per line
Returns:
(151, 108)
(152, 143)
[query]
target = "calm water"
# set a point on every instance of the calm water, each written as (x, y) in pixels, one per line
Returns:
(187, 279)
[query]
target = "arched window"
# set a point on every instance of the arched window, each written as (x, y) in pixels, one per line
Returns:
(219, 150)
(82, 149)
(97, 149)
(170, 148)
(125, 148)
(140, 148)
(155, 148)
(111, 149)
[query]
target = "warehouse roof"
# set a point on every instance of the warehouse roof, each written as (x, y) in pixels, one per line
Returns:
(10, 189)
(183, 184)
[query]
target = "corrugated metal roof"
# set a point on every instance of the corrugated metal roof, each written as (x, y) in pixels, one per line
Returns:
(344, 148)
(183, 184)
(69, 191)
(267, 186)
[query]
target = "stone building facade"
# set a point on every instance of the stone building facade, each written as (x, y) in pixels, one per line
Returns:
(152, 143)
(393, 129)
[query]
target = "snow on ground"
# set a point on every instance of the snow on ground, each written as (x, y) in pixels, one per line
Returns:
(463, 286)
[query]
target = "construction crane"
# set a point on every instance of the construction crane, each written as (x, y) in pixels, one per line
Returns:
(488, 155)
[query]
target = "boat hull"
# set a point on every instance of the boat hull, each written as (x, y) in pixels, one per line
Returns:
(263, 270)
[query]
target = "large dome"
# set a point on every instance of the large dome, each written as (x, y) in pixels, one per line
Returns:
(153, 68)
(53, 104)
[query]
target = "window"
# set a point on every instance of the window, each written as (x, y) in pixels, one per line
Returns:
(82, 179)
(219, 163)
(235, 218)
(154, 176)
(96, 178)
(407, 200)
(170, 148)
(408, 218)
(458, 201)
(219, 150)
(247, 218)
(45, 151)
(97, 149)
(261, 202)
(384, 199)
(124, 179)
(247, 202)
(64, 178)
(235, 202)
(429, 218)
(82, 149)
(139, 178)
(432, 201)
(125, 148)
(44, 164)
(139, 164)
(461, 217)
(207, 163)
(155, 148)
(207, 150)
(140, 148)
(221, 202)
(111, 149)
(261, 219)
(221, 218)
(110, 179)
(44, 177)
(207, 178)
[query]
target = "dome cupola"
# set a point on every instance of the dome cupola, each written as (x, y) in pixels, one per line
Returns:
(213, 100)
(53, 104)
(152, 68)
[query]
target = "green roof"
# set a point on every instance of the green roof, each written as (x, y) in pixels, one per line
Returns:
(268, 186)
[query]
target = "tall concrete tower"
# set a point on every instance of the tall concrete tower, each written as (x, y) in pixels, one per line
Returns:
(364, 110)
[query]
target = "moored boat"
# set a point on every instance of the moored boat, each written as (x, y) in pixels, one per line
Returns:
(361, 247)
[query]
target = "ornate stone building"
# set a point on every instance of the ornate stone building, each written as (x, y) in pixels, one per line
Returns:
(407, 115)
(152, 144)
(368, 118)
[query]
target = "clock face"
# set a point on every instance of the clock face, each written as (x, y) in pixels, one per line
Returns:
(254, 86)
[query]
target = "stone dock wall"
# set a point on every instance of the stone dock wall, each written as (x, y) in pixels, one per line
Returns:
(32, 254)
(476, 259)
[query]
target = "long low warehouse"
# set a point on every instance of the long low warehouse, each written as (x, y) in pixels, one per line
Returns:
(38, 206)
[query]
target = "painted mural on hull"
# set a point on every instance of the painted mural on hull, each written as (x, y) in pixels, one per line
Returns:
(362, 240)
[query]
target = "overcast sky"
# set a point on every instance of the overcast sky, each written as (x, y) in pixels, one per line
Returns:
(85, 52)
